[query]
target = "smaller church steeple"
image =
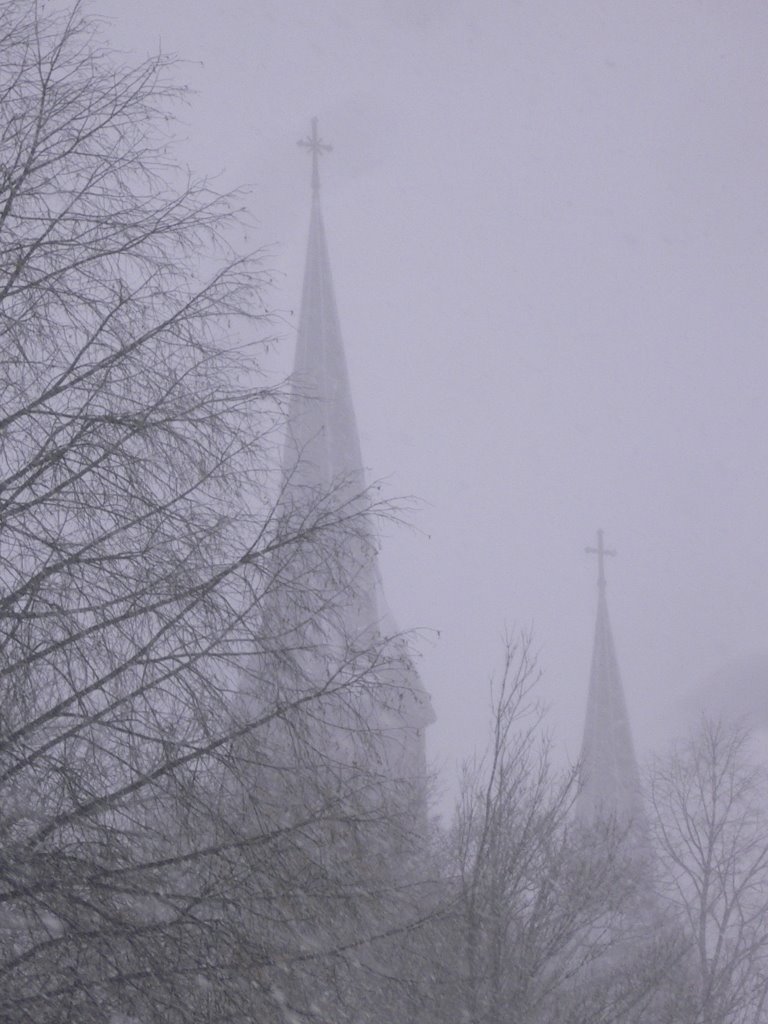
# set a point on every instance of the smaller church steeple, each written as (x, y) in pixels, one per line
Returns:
(610, 779)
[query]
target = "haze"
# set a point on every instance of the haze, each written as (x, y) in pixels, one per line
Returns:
(547, 222)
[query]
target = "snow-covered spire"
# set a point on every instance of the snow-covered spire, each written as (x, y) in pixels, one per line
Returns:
(610, 779)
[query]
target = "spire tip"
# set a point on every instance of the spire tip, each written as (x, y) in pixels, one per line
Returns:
(602, 553)
(315, 145)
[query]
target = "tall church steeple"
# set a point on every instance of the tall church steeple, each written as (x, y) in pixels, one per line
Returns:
(610, 779)
(323, 455)
(323, 446)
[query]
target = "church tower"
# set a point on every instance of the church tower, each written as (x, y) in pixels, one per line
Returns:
(632, 929)
(322, 457)
(610, 780)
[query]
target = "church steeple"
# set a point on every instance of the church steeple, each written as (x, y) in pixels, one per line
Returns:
(323, 455)
(610, 779)
(323, 445)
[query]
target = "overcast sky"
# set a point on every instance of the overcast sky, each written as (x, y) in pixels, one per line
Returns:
(548, 223)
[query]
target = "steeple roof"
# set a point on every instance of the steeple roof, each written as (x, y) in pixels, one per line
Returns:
(323, 453)
(323, 447)
(610, 779)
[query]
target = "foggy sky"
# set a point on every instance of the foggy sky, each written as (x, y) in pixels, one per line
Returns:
(547, 222)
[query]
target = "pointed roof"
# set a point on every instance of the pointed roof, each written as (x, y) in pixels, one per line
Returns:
(323, 447)
(610, 778)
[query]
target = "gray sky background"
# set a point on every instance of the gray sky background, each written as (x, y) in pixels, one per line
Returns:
(548, 225)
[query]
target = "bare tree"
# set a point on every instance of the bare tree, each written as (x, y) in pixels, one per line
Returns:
(711, 824)
(552, 920)
(163, 842)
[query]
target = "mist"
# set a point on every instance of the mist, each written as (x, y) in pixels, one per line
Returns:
(546, 223)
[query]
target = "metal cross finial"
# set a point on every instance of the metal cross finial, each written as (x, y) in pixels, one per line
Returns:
(316, 147)
(602, 552)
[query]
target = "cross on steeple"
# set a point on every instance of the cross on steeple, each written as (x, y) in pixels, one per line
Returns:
(602, 552)
(316, 147)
